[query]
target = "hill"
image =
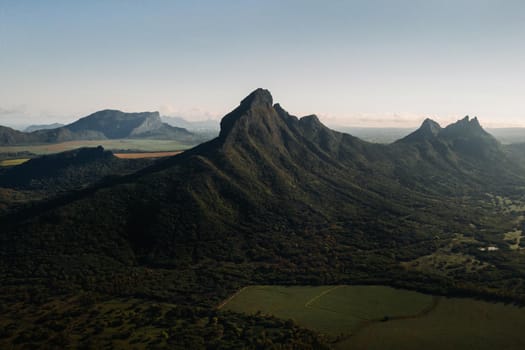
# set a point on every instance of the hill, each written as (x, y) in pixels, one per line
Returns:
(106, 124)
(67, 170)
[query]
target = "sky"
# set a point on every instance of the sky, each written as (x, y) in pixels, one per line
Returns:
(387, 63)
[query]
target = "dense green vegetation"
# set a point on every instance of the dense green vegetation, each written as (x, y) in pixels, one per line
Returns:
(88, 322)
(68, 170)
(278, 200)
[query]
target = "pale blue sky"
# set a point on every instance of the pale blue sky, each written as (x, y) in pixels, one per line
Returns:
(384, 63)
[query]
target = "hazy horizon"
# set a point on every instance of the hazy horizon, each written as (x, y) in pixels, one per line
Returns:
(353, 63)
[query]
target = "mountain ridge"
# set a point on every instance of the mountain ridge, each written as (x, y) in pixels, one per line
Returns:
(104, 124)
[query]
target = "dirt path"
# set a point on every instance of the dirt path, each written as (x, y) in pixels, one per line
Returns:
(311, 301)
(221, 305)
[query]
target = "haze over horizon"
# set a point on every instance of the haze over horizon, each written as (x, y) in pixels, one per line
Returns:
(355, 63)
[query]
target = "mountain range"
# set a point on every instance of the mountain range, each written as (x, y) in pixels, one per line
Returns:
(276, 198)
(106, 124)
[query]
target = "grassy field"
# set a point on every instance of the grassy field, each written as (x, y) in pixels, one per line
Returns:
(13, 162)
(328, 309)
(146, 155)
(453, 324)
(116, 145)
(378, 317)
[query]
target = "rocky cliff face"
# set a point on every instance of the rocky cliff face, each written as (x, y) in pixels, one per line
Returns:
(106, 124)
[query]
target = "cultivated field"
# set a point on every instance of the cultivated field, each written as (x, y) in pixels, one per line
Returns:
(146, 155)
(333, 310)
(114, 145)
(453, 324)
(13, 162)
(378, 317)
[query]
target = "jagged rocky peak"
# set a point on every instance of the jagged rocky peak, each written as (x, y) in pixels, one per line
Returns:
(430, 126)
(465, 127)
(429, 129)
(430, 123)
(311, 122)
(259, 97)
(258, 103)
(467, 121)
(312, 118)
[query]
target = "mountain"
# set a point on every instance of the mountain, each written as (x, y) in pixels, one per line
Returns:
(428, 130)
(462, 152)
(32, 128)
(106, 124)
(276, 199)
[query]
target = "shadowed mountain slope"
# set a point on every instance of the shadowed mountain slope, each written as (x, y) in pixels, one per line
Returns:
(67, 170)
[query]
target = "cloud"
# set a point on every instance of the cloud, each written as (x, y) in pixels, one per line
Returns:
(193, 113)
(6, 111)
(411, 120)
(384, 120)
(14, 116)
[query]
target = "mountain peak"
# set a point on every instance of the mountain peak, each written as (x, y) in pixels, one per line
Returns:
(465, 127)
(253, 104)
(428, 130)
(259, 97)
(430, 126)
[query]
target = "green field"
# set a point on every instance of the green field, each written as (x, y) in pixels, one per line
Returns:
(378, 317)
(453, 324)
(328, 309)
(120, 145)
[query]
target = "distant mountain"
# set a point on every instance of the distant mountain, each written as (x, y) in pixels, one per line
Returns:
(389, 135)
(465, 137)
(32, 128)
(9, 136)
(106, 124)
(202, 125)
(67, 170)
(428, 130)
